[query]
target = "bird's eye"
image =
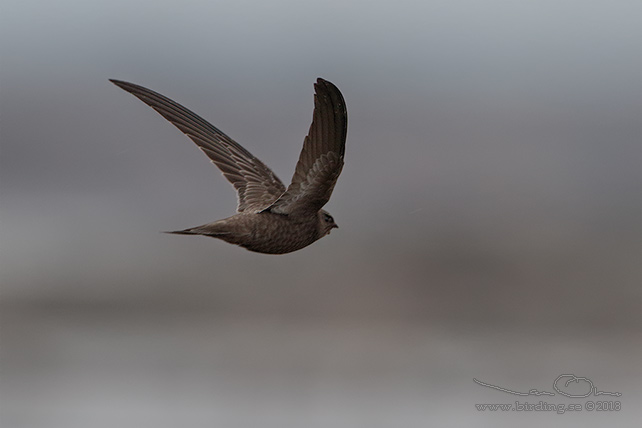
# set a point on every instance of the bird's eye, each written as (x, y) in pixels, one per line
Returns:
(328, 219)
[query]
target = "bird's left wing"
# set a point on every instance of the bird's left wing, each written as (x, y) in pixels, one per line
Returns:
(256, 185)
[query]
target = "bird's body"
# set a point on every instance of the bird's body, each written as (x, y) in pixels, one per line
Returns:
(270, 219)
(265, 232)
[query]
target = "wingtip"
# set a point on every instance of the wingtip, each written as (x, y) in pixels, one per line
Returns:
(120, 83)
(323, 82)
(125, 85)
(325, 85)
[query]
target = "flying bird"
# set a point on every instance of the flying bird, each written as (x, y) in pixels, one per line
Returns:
(270, 218)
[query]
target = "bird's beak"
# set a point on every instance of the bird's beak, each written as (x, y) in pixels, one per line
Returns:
(335, 226)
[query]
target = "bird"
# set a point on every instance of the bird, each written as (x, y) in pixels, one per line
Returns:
(270, 218)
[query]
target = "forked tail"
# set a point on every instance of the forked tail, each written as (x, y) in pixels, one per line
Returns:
(206, 229)
(190, 231)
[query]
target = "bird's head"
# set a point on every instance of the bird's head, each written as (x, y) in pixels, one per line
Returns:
(326, 223)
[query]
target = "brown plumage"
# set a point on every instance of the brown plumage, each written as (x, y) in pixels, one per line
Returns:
(270, 218)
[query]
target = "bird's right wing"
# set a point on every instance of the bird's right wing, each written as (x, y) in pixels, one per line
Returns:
(256, 185)
(321, 159)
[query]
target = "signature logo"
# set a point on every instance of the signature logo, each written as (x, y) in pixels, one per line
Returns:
(561, 385)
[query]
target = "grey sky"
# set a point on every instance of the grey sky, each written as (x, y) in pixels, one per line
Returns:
(492, 186)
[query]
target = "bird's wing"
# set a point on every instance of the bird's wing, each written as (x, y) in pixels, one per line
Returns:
(321, 159)
(256, 185)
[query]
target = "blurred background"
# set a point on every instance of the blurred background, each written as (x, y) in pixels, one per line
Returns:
(489, 212)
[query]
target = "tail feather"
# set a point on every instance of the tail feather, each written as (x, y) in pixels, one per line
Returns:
(182, 232)
(206, 229)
